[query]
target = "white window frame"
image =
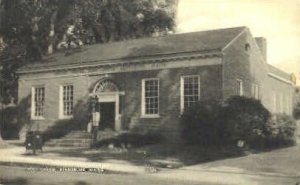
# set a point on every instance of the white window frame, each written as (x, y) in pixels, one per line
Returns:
(33, 103)
(274, 101)
(280, 100)
(61, 102)
(255, 91)
(143, 102)
(239, 87)
(182, 90)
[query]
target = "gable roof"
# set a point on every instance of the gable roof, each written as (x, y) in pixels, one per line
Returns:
(278, 72)
(203, 41)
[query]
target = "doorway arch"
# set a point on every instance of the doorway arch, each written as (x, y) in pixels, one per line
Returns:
(107, 95)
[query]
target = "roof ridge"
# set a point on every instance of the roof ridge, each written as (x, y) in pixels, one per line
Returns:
(207, 40)
(159, 37)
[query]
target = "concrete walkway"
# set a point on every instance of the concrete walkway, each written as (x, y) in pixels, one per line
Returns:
(17, 155)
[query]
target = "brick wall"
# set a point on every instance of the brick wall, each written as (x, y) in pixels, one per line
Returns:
(249, 65)
(130, 83)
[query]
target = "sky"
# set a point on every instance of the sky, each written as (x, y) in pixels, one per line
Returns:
(276, 20)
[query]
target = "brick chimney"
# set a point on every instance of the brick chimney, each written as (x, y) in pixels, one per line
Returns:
(262, 44)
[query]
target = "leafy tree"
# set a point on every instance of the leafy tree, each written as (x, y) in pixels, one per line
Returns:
(30, 29)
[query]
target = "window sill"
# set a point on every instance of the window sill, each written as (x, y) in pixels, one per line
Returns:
(150, 116)
(65, 117)
(37, 118)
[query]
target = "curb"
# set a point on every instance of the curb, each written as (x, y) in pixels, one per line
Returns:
(280, 175)
(56, 168)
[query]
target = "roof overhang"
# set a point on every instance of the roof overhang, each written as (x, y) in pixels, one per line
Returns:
(123, 62)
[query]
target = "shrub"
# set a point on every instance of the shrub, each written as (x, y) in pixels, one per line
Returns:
(244, 119)
(200, 124)
(281, 130)
(9, 123)
(132, 139)
(296, 111)
(209, 123)
(62, 127)
(240, 118)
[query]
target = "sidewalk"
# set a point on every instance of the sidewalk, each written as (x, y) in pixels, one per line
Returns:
(235, 170)
(17, 156)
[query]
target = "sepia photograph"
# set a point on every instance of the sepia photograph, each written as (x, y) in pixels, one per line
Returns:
(165, 92)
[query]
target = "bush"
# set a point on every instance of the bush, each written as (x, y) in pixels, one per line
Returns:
(245, 119)
(62, 127)
(9, 123)
(281, 130)
(132, 139)
(208, 123)
(201, 125)
(296, 111)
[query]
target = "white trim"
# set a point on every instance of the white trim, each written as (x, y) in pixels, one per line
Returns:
(255, 91)
(235, 38)
(61, 101)
(106, 93)
(182, 90)
(119, 62)
(143, 109)
(139, 67)
(280, 97)
(33, 117)
(240, 89)
(280, 78)
(274, 101)
(112, 97)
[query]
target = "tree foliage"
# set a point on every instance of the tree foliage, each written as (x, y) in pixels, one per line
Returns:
(30, 29)
(210, 123)
(296, 111)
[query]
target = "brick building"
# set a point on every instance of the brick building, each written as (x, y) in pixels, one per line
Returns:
(145, 84)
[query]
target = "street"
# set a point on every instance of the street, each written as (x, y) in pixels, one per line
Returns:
(26, 176)
(23, 176)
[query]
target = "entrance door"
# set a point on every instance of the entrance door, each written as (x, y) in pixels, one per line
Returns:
(107, 112)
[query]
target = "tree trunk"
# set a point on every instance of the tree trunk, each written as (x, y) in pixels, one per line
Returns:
(52, 32)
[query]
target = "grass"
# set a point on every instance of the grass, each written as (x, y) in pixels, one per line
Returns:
(158, 155)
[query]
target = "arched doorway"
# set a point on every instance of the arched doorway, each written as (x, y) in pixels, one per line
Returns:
(107, 96)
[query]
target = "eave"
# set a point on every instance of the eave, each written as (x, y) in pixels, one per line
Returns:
(124, 61)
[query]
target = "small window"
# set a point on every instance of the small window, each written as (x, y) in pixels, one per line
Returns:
(150, 97)
(38, 102)
(247, 47)
(190, 91)
(239, 87)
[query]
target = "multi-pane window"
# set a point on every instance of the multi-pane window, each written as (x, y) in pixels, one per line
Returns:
(67, 92)
(150, 97)
(38, 101)
(255, 91)
(239, 87)
(190, 90)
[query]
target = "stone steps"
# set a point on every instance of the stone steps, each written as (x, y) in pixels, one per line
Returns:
(80, 139)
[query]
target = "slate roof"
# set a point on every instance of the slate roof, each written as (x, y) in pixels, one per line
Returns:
(203, 41)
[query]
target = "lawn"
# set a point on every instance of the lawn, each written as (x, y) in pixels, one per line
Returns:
(284, 161)
(163, 156)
